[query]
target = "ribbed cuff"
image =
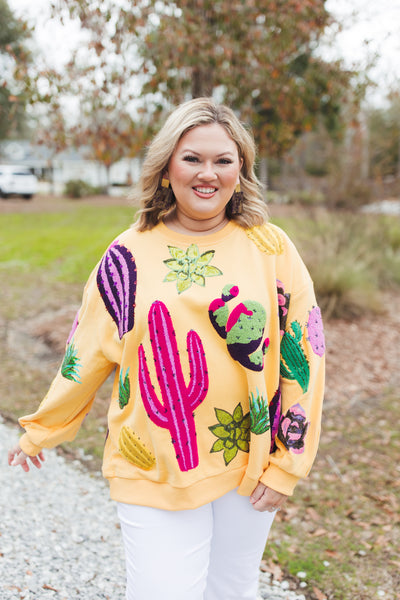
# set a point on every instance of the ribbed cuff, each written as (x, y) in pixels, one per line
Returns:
(279, 480)
(28, 447)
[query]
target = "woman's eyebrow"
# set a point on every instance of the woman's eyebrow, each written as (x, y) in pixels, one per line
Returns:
(227, 152)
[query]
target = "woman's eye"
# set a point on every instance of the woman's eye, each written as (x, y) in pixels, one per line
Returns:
(225, 161)
(190, 158)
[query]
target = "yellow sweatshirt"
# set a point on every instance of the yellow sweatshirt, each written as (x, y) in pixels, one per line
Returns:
(218, 350)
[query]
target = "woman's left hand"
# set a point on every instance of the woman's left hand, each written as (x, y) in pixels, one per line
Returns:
(263, 498)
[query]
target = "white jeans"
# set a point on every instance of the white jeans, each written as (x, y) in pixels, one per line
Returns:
(209, 553)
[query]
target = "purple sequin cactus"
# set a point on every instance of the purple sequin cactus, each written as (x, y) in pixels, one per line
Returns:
(116, 280)
(179, 399)
(316, 331)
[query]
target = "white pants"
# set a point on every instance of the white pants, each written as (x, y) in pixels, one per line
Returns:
(209, 553)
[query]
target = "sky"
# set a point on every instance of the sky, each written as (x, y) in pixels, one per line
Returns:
(368, 27)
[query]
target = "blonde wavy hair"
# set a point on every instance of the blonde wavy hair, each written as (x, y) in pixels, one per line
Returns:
(187, 116)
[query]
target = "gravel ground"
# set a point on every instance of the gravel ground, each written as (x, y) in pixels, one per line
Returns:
(59, 534)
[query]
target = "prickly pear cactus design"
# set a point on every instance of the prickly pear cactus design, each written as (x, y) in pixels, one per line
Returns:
(179, 400)
(283, 305)
(315, 331)
(259, 413)
(294, 364)
(70, 365)
(134, 450)
(116, 280)
(232, 431)
(267, 238)
(293, 428)
(189, 266)
(124, 389)
(275, 417)
(242, 328)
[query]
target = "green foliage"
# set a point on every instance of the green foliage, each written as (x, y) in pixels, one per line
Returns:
(77, 188)
(258, 57)
(64, 245)
(307, 197)
(384, 136)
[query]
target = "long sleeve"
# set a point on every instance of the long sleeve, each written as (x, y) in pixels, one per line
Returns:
(302, 377)
(87, 364)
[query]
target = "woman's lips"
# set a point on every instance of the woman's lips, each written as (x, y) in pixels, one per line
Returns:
(205, 191)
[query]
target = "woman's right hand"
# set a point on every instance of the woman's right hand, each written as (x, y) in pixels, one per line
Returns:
(17, 457)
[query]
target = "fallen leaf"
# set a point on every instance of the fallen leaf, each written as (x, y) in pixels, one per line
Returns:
(319, 531)
(318, 594)
(48, 587)
(312, 513)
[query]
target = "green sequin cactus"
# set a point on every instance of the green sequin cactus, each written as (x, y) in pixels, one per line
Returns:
(259, 414)
(124, 388)
(294, 365)
(232, 431)
(70, 365)
(189, 266)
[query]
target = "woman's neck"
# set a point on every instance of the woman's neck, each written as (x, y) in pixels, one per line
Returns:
(182, 224)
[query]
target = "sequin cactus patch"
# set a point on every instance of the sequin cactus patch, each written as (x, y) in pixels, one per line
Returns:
(189, 266)
(70, 366)
(294, 364)
(259, 413)
(293, 428)
(232, 431)
(133, 449)
(124, 388)
(316, 331)
(275, 417)
(174, 410)
(116, 280)
(242, 328)
(283, 305)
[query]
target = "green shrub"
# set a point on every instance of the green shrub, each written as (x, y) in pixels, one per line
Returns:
(307, 197)
(317, 169)
(77, 188)
(352, 260)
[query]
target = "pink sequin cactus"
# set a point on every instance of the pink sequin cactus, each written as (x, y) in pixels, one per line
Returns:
(315, 331)
(179, 399)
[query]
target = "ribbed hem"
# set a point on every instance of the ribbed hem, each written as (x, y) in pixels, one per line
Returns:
(28, 447)
(167, 497)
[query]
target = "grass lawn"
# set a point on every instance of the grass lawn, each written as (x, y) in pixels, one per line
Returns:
(342, 527)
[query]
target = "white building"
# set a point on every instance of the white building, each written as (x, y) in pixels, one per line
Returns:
(57, 170)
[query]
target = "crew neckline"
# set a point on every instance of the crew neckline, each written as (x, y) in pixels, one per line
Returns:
(214, 236)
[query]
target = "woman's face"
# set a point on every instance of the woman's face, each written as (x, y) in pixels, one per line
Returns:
(203, 172)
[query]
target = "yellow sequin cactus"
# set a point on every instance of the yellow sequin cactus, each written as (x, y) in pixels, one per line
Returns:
(267, 238)
(134, 450)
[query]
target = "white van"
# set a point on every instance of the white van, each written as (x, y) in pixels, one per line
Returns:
(18, 181)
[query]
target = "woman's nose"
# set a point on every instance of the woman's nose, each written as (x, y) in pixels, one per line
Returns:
(207, 170)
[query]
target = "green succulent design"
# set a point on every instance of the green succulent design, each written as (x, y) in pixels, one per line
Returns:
(232, 431)
(70, 365)
(259, 413)
(124, 388)
(189, 266)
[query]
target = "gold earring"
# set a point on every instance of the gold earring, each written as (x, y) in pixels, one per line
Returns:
(164, 196)
(237, 201)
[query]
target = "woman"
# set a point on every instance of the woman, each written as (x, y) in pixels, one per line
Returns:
(208, 315)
